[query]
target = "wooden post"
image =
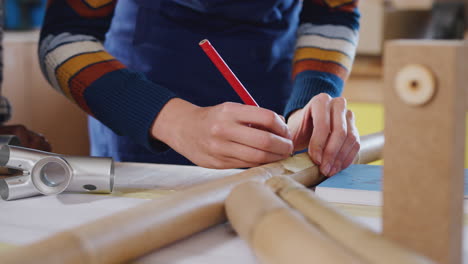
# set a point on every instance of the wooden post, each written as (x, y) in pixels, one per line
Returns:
(424, 150)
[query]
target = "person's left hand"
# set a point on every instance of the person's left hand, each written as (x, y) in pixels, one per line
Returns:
(327, 128)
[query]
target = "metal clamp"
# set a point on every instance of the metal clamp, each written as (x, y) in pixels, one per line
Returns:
(49, 173)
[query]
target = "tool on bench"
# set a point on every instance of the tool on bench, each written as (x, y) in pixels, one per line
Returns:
(50, 173)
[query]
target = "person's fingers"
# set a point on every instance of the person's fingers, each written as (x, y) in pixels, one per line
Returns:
(254, 138)
(301, 126)
(352, 138)
(249, 154)
(289, 134)
(351, 155)
(282, 118)
(337, 136)
(342, 155)
(352, 130)
(320, 113)
(258, 117)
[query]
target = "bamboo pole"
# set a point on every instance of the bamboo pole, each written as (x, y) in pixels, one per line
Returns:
(278, 234)
(137, 231)
(368, 245)
(373, 146)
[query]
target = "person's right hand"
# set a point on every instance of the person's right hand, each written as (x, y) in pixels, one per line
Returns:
(229, 135)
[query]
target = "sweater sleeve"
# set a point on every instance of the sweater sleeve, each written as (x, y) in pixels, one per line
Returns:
(325, 49)
(76, 64)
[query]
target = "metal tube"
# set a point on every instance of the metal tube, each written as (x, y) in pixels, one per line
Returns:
(20, 158)
(9, 140)
(17, 187)
(91, 174)
(51, 175)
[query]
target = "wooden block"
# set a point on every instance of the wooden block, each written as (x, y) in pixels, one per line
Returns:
(424, 151)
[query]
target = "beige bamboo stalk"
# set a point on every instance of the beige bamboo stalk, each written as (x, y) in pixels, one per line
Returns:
(137, 231)
(278, 234)
(367, 244)
(373, 146)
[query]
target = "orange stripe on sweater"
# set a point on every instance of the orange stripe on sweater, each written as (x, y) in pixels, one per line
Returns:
(85, 10)
(323, 66)
(336, 3)
(98, 3)
(87, 76)
(72, 66)
(323, 55)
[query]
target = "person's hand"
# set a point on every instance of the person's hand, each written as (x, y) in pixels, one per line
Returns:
(228, 135)
(327, 128)
(28, 138)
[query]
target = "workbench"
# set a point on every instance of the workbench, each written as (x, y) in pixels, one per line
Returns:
(28, 220)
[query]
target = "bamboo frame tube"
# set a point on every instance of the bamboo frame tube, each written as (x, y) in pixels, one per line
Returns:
(277, 233)
(373, 146)
(132, 233)
(370, 246)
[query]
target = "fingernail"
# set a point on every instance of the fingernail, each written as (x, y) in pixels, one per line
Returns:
(326, 169)
(318, 157)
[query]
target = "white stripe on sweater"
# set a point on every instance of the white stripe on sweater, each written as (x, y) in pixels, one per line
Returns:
(329, 31)
(63, 53)
(316, 41)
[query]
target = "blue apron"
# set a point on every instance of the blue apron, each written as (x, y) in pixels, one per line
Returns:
(160, 39)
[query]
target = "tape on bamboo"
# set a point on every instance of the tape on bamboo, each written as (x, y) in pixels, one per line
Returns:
(368, 245)
(277, 233)
(137, 231)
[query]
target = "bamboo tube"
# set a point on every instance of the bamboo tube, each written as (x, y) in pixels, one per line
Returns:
(132, 233)
(373, 145)
(368, 245)
(278, 234)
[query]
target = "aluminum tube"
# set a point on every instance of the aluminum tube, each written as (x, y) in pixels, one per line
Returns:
(9, 140)
(91, 174)
(17, 187)
(20, 158)
(51, 175)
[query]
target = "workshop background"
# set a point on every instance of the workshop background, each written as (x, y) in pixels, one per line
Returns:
(35, 104)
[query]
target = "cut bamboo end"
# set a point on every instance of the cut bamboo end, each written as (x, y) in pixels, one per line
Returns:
(276, 233)
(371, 148)
(366, 244)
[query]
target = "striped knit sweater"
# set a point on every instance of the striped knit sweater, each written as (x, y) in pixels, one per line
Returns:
(76, 64)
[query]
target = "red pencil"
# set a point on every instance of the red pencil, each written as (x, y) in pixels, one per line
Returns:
(227, 73)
